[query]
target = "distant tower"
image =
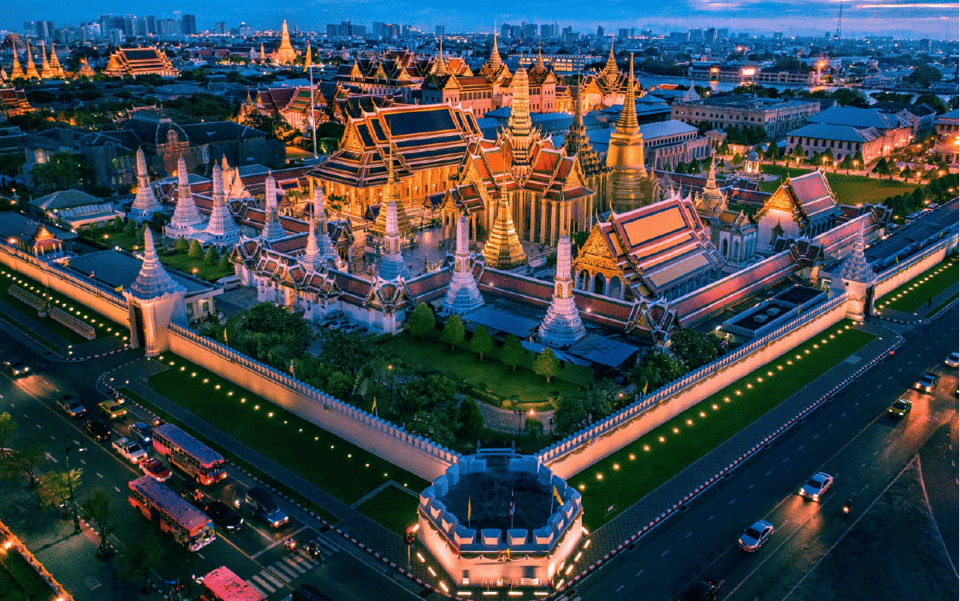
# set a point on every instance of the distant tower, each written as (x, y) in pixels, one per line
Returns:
(625, 155)
(55, 66)
(463, 295)
(221, 230)
(712, 201)
(495, 61)
(146, 203)
(392, 266)
(45, 71)
(186, 218)
(311, 254)
(31, 68)
(562, 327)
(520, 126)
(503, 249)
(16, 72)
(441, 64)
(154, 301)
(328, 252)
(839, 19)
(271, 224)
(285, 53)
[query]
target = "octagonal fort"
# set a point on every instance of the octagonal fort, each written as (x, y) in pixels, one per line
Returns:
(465, 520)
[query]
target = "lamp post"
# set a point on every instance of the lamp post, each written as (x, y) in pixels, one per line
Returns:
(73, 501)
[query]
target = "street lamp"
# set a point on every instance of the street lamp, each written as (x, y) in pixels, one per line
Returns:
(73, 500)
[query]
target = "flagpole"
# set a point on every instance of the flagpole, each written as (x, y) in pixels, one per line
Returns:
(313, 112)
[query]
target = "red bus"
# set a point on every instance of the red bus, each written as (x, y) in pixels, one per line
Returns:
(188, 525)
(201, 463)
(223, 585)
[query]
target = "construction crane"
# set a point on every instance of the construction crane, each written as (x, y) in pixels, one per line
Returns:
(839, 20)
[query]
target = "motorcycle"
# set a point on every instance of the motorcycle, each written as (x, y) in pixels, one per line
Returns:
(290, 545)
(847, 506)
(313, 549)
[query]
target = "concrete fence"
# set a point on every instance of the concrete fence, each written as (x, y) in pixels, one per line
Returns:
(54, 277)
(409, 451)
(582, 449)
(900, 273)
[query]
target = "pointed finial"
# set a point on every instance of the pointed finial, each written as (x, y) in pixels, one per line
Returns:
(627, 123)
(441, 64)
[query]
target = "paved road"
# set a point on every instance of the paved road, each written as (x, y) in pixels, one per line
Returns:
(254, 553)
(850, 437)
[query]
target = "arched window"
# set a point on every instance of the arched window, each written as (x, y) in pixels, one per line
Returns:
(723, 248)
(616, 288)
(598, 283)
(736, 250)
(583, 282)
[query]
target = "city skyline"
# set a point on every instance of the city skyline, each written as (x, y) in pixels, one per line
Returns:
(901, 18)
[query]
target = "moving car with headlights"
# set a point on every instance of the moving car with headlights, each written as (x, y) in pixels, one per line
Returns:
(705, 590)
(141, 432)
(97, 430)
(223, 516)
(71, 406)
(129, 450)
(900, 409)
(155, 468)
(112, 409)
(265, 507)
(926, 383)
(16, 367)
(816, 486)
(952, 360)
(755, 535)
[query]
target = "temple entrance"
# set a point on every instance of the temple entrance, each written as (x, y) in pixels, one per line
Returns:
(868, 301)
(138, 336)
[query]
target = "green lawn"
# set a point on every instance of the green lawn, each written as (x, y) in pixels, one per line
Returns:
(624, 477)
(205, 271)
(340, 468)
(461, 365)
(19, 581)
(108, 238)
(393, 508)
(920, 290)
(330, 517)
(850, 189)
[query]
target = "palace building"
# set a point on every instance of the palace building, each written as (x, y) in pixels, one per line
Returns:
(803, 206)
(132, 62)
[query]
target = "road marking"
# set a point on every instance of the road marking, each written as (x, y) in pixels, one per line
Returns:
(621, 588)
(815, 436)
(637, 575)
(768, 472)
(751, 487)
(830, 425)
(257, 588)
(689, 534)
(889, 377)
(844, 414)
(263, 585)
(880, 386)
(279, 573)
(283, 569)
(857, 404)
(275, 543)
(118, 490)
(800, 448)
(709, 518)
(39, 427)
(864, 464)
(295, 565)
(200, 555)
(664, 554)
(52, 437)
(267, 575)
(732, 501)
(785, 459)
(877, 452)
(99, 474)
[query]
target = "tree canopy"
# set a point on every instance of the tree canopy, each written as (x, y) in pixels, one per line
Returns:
(421, 321)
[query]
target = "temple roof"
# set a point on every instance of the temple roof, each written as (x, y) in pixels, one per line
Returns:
(153, 280)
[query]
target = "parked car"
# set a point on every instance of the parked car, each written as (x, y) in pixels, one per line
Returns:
(755, 535)
(71, 406)
(129, 450)
(16, 367)
(901, 408)
(816, 486)
(141, 432)
(705, 590)
(155, 468)
(927, 382)
(952, 360)
(98, 430)
(112, 409)
(224, 516)
(265, 507)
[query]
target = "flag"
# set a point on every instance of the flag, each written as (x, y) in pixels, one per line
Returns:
(798, 309)
(556, 495)
(513, 505)
(292, 372)
(374, 408)
(645, 384)
(469, 507)
(225, 336)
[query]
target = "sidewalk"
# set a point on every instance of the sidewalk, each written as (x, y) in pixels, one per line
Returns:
(651, 507)
(354, 526)
(14, 319)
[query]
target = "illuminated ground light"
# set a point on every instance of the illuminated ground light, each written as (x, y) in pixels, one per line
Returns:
(676, 430)
(599, 476)
(256, 407)
(582, 487)
(616, 466)
(662, 439)
(703, 414)
(780, 367)
(689, 422)
(634, 457)
(715, 407)
(750, 386)
(738, 394)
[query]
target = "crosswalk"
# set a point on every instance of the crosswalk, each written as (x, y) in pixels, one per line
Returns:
(288, 568)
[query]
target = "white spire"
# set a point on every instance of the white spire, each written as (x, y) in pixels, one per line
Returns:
(311, 255)
(146, 203)
(324, 244)
(222, 230)
(391, 265)
(186, 218)
(855, 267)
(562, 327)
(463, 295)
(152, 281)
(271, 226)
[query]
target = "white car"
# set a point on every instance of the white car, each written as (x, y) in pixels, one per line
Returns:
(129, 450)
(816, 486)
(952, 360)
(754, 536)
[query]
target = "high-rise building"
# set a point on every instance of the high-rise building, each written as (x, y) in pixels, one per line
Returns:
(220, 28)
(723, 33)
(599, 31)
(440, 30)
(506, 31)
(710, 36)
(244, 30)
(695, 34)
(151, 21)
(626, 33)
(529, 31)
(189, 25)
(549, 31)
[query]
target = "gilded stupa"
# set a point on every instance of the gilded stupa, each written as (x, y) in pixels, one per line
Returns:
(285, 53)
(45, 71)
(503, 249)
(55, 67)
(629, 186)
(31, 68)
(16, 72)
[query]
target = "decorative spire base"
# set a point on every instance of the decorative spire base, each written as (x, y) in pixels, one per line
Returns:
(562, 326)
(463, 295)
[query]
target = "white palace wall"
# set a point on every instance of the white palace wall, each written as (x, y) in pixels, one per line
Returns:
(408, 451)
